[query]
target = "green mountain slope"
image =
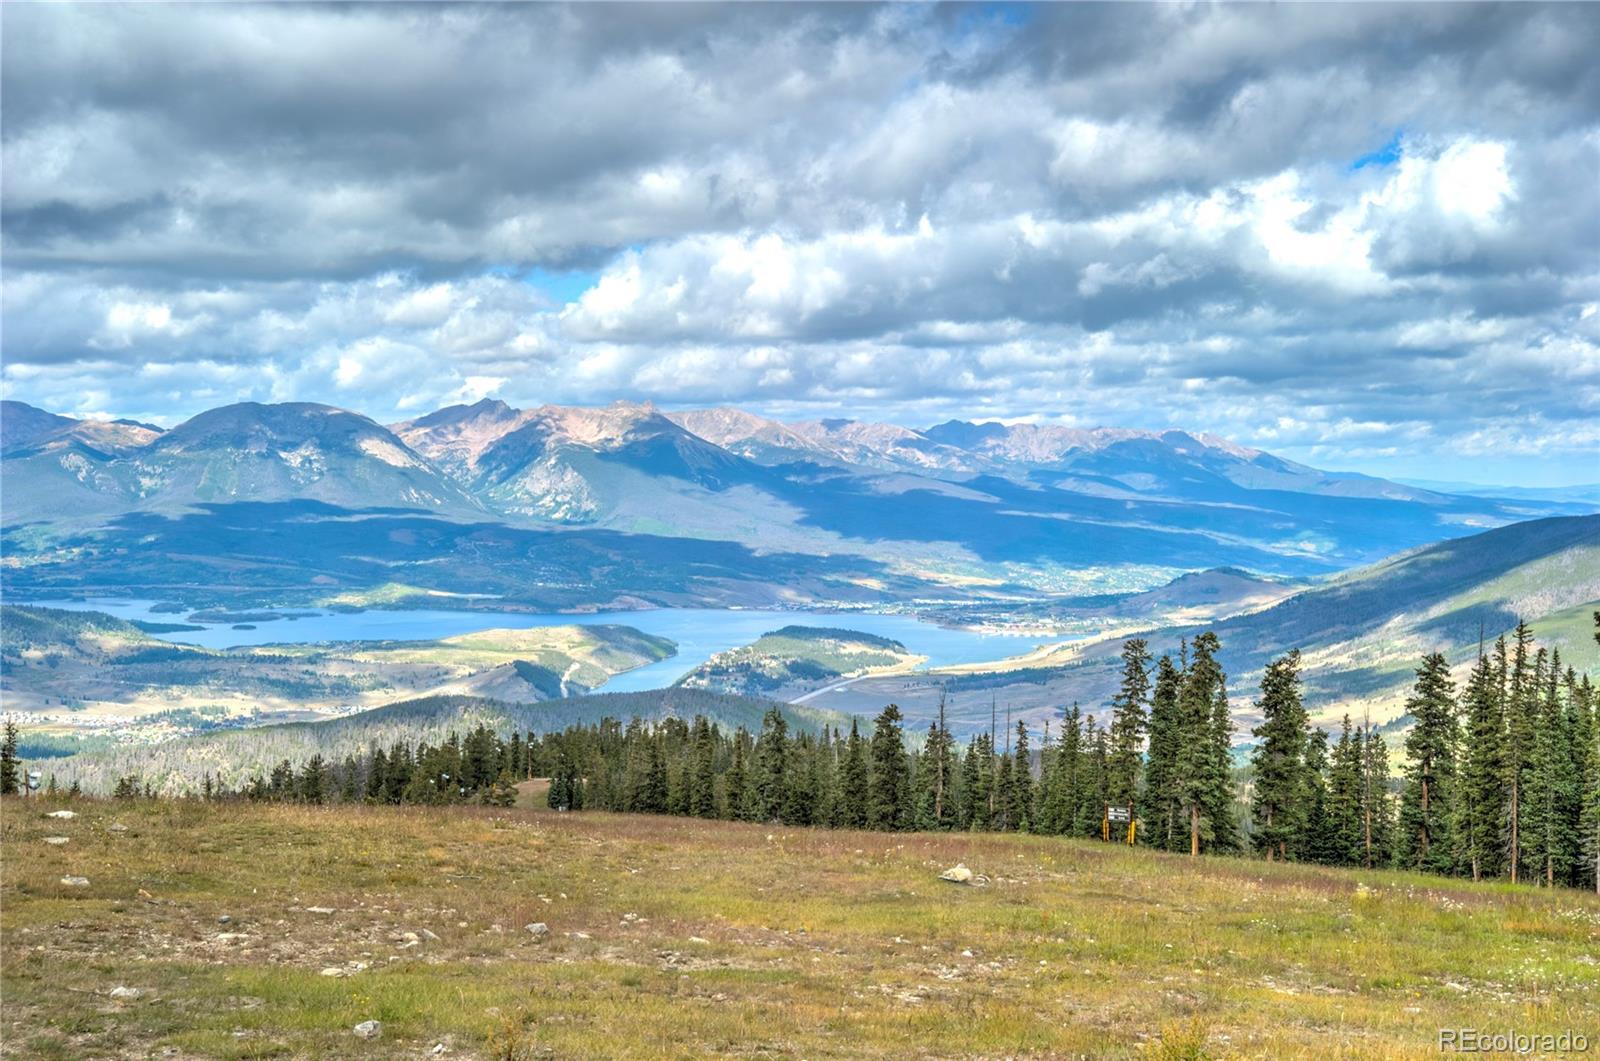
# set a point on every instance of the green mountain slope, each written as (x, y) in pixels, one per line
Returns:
(1362, 633)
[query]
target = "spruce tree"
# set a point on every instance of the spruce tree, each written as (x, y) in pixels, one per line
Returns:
(1554, 788)
(10, 763)
(1020, 810)
(1521, 706)
(771, 766)
(1344, 797)
(888, 791)
(1376, 812)
(855, 780)
(1480, 787)
(1278, 801)
(1203, 770)
(1425, 808)
(1161, 801)
(1129, 720)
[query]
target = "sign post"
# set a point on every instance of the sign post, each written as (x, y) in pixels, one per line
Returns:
(1122, 818)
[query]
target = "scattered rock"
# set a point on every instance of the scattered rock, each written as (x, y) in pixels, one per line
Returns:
(579, 935)
(429, 935)
(957, 874)
(538, 929)
(368, 1029)
(319, 910)
(698, 939)
(966, 954)
(336, 970)
(438, 1048)
(75, 882)
(62, 814)
(116, 827)
(224, 920)
(125, 994)
(57, 840)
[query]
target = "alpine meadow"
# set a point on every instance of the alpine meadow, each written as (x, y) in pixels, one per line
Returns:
(589, 530)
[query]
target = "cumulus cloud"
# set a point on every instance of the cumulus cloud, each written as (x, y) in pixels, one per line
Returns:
(1362, 236)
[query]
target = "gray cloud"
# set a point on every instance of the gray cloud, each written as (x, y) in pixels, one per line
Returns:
(1091, 213)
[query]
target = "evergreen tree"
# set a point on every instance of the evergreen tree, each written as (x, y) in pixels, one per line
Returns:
(855, 780)
(1376, 811)
(937, 776)
(1278, 801)
(1203, 770)
(10, 764)
(1521, 706)
(1129, 719)
(1480, 788)
(771, 766)
(1020, 806)
(1318, 840)
(1344, 798)
(1161, 797)
(703, 778)
(1058, 803)
(976, 783)
(1425, 810)
(1554, 788)
(889, 789)
(736, 783)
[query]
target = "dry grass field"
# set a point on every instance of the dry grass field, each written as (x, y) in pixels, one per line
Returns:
(251, 931)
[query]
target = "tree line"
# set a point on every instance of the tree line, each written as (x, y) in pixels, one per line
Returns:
(1500, 779)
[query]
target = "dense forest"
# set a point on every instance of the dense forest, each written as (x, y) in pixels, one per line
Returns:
(1499, 779)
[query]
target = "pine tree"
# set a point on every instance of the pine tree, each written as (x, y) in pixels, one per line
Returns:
(1376, 806)
(1554, 788)
(1161, 799)
(1203, 770)
(888, 793)
(1058, 803)
(936, 777)
(1020, 806)
(1521, 706)
(736, 782)
(703, 778)
(1344, 797)
(1278, 802)
(10, 764)
(1425, 808)
(975, 784)
(1480, 787)
(1129, 719)
(771, 766)
(855, 780)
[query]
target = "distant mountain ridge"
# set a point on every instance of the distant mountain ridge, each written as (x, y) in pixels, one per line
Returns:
(958, 509)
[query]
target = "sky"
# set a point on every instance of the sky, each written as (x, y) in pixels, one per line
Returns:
(1364, 237)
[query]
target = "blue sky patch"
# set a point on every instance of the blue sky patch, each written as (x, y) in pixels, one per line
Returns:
(1387, 155)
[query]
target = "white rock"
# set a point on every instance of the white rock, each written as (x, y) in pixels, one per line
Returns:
(368, 1029)
(698, 939)
(75, 882)
(116, 827)
(319, 909)
(62, 814)
(125, 994)
(57, 840)
(957, 874)
(426, 934)
(335, 970)
(538, 929)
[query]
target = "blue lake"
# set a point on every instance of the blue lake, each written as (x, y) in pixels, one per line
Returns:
(699, 632)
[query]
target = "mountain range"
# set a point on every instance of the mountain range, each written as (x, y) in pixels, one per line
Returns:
(737, 505)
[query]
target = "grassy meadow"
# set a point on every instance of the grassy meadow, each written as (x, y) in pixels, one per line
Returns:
(255, 931)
